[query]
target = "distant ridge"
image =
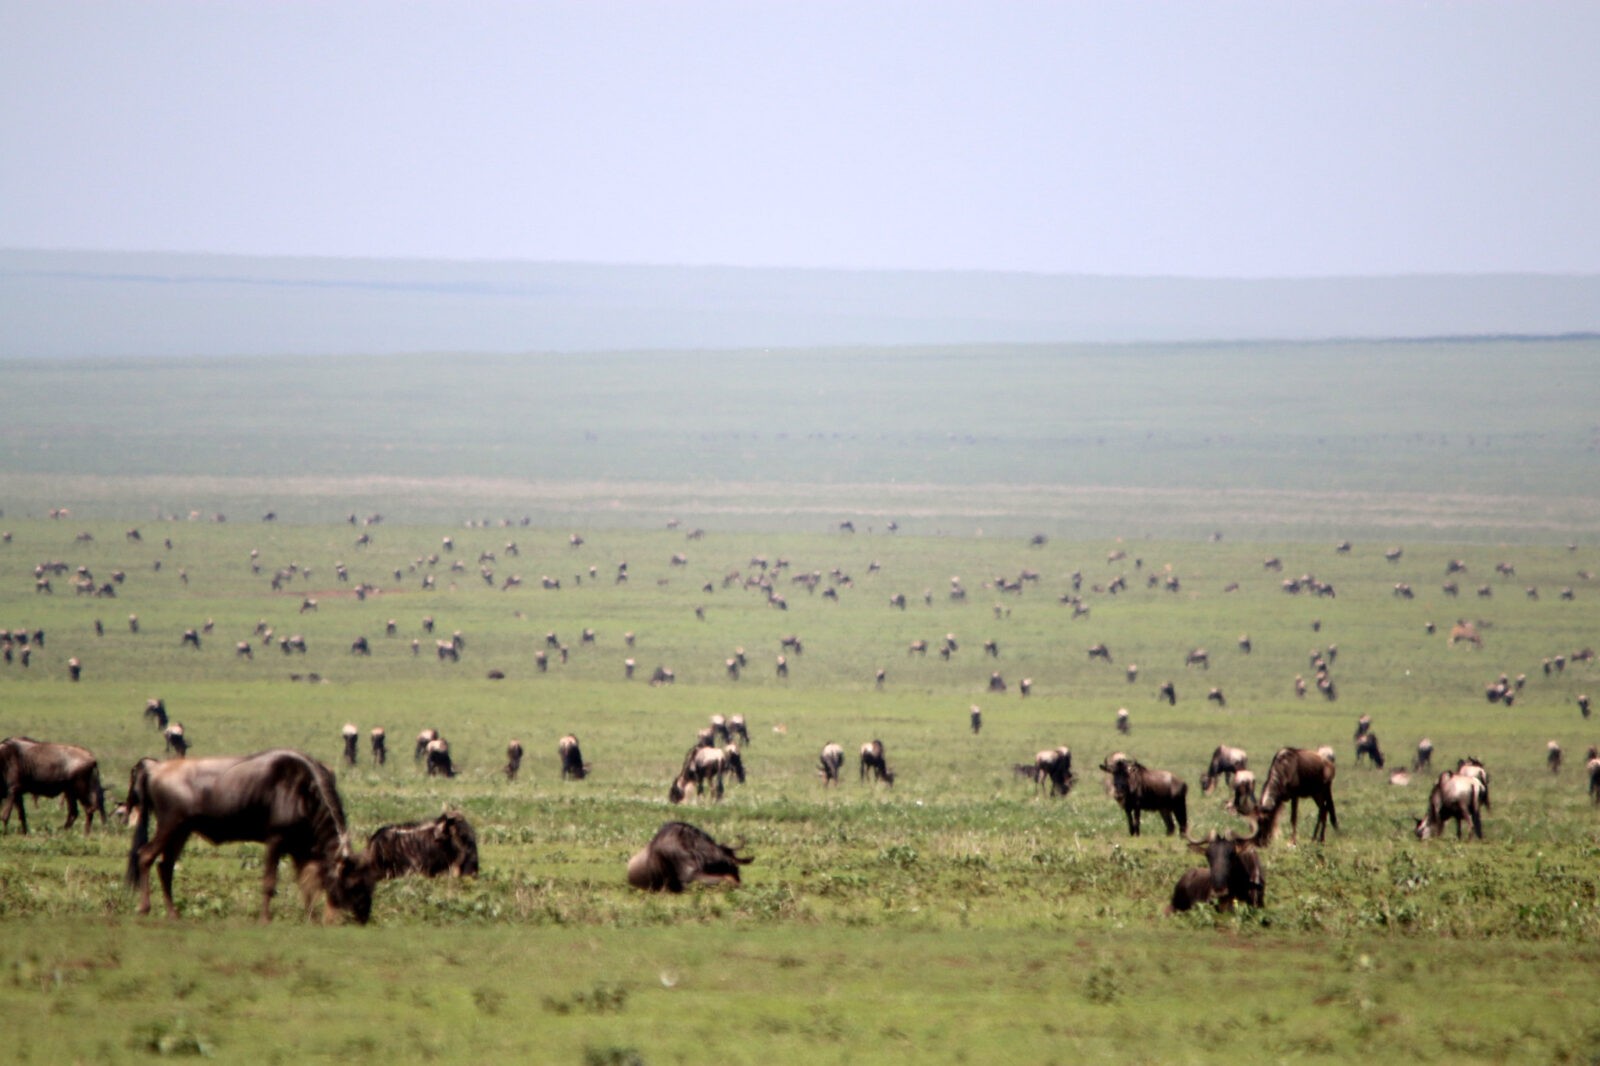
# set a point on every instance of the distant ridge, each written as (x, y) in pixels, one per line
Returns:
(108, 304)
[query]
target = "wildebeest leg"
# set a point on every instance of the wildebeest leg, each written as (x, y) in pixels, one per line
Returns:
(15, 801)
(1294, 820)
(72, 810)
(168, 847)
(1133, 821)
(1168, 821)
(269, 879)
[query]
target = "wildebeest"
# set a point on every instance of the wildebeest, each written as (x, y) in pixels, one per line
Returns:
(439, 763)
(662, 676)
(1465, 631)
(874, 762)
(572, 764)
(1137, 788)
(1053, 765)
(737, 730)
(1456, 796)
(996, 682)
(1424, 759)
(157, 709)
(1297, 774)
(1583, 705)
(1100, 651)
(177, 741)
(513, 759)
(431, 847)
(281, 798)
(424, 738)
(1473, 768)
(1593, 766)
(1216, 696)
(1367, 748)
(680, 855)
(351, 736)
(1198, 657)
(1552, 757)
(30, 767)
(1244, 794)
(830, 762)
(975, 716)
(1123, 724)
(1232, 874)
(380, 746)
(1168, 692)
(1225, 762)
(719, 729)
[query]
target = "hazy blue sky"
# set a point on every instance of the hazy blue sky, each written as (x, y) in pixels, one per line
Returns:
(1213, 139)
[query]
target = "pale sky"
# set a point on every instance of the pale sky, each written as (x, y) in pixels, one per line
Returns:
(1190, 138)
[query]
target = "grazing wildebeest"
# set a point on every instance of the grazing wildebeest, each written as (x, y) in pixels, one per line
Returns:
(1583, 705)
(156, 708)
(873, 761)
(1198, 657)
(242, 650)
(662, 676)
(1363, 725)
(1133, 672)
(1552, 757)
(1137, 788)
(703, 768)
(1232, 874)
(1297, 774)
(1225, 762)
(38, 768)
(680, 855)
(1100, 651)
(1473, 768)
(1456, 796)
(438, 758)
(424, 738)
(513, 759)
(1169, 693)
(1123, 725)
(431, 847)
(1367, 748)
(830, 763)
(1465, 631)
(737, 730)
(359, 646)
(281, 798)
(719, 729)
(1593, 766)
(1424, 759)
(177, 742)
(572, 764)
(1216, 696)
(996, 682)
(351, 736)
(380, 745)
(1053, 765)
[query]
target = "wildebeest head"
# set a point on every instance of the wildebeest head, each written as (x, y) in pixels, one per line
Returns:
(1231, 859)
(349, 884)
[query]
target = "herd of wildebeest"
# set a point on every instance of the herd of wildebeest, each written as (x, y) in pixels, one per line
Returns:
(288, 800)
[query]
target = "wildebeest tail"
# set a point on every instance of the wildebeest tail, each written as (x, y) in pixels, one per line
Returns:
(139, 815)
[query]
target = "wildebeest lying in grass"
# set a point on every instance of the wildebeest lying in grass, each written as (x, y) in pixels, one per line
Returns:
(1137, 788)
(1456, 796)
(282, 798)
(680, 855)
(1232, 874)
(435, 846)
(1296, 774)
(37, 768)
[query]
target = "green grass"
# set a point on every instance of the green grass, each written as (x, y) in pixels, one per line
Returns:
(958, 917)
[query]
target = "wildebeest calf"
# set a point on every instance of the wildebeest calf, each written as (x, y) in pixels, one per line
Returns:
(442, 845)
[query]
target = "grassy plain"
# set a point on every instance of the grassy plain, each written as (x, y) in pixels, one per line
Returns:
(957, 918)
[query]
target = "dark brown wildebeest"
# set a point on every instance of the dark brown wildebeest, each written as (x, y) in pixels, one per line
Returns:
(1232, 874)
(1123, 725)
(359, 646)
(380, 745)
(996, 682)
(1456, 796)
(513, 759)
(572, 764)
(737, 730)
(1137, 788)
(874, 762)
(719, 729)
(1100, 651)
(830, 762)
(1424, 759)
(680, 855)
(351, 736)
(157, 709)
(1216, 696)
(1363, 726)
(662, 676)
(702, 771)
(431, 847)
(439, 762)
(1225, 762)
(424, 738)
(1168, 692)
(281, 798)
(1552, 757)
(1367, 748)
(1593, 766)
(1198, 657)
(1244, 794)
(1297, 774)
(36, 768)
(1583, 705)
(177, 742)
